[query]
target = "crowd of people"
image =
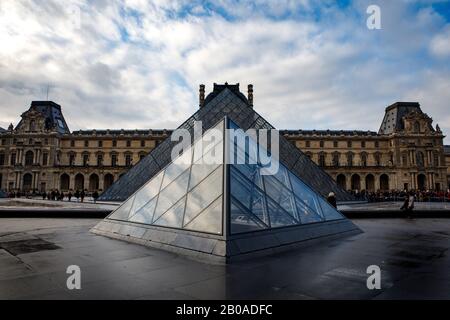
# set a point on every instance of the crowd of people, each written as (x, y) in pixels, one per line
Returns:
(56, 195)
(399, 195)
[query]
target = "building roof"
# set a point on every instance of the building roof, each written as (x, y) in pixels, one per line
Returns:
(127, 132)
(328, 133)
(394, 114)
(53, 115)
(447, 150)
(2, 130)
(218, 88)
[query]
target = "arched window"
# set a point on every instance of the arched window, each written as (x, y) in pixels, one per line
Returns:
(32, 125)
(416, 127)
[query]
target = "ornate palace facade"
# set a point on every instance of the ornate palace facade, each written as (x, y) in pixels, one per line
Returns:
(42, 154)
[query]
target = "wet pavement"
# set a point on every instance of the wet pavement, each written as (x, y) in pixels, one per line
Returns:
(413, 256)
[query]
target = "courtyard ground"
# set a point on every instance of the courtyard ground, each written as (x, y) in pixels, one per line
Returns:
(413, 255)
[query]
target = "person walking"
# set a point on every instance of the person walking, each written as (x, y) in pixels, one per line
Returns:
(82, 195)
(69, 195)
(332, 199)
(77, 195)
(95, 196)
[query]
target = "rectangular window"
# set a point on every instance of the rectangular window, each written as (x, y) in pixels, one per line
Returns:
(114, 160)
(308, 144)
(142, 143)
(72, 143)
(114, 143)
(3, 142)
(335, 144)
(13, 159)
(45, 159)
(72, 160)
(85, 160)
(128, 143)
(128, 160)
(349, 144)
(100, 160)
(2, 159)
(377, 144)
(100, 144)
(142, 156)
(322, 144)
(363, 144)
(86, 143)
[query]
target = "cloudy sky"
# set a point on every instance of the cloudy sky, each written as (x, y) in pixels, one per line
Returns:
(138, 63)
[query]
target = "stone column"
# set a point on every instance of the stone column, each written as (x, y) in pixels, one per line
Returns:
(72, 182)
(101, 181)
(377, 182)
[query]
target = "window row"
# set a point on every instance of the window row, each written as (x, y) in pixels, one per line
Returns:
(348, 144)
(113, 143)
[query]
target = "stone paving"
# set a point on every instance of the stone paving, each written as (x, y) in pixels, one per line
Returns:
(413, 255)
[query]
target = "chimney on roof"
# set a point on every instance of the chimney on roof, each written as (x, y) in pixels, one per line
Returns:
(201, 96)
(250, 95)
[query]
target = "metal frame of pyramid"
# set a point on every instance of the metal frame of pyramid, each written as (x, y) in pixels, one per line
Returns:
(224, 212)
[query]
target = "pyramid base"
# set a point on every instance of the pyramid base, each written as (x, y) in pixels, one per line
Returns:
(215, 249)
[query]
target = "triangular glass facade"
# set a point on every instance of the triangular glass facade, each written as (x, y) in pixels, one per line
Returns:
(186, 194)
(191, 192)
(269, 201)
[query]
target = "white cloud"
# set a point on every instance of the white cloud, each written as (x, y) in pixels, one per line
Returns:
(137, 64)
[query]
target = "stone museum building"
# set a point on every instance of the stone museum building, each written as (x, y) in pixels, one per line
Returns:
(40, 153)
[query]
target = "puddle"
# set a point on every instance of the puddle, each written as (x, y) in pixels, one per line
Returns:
(27, 246)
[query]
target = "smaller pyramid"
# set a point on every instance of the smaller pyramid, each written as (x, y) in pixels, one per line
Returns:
(214, 201)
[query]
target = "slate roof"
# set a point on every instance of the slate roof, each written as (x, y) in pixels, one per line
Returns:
(228, 103)
(351, 133)
(53, 114)
(447, 150)
(392, 120)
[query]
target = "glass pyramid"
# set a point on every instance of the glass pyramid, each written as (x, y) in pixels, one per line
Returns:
(196, 194)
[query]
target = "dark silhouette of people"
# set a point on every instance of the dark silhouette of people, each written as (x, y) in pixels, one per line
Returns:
(95, 196)
(69, 196)
(332, 199)
(77, 195)
(82, 195)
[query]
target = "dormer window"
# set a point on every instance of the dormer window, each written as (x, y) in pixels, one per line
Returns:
(416, 127)
(32, 125)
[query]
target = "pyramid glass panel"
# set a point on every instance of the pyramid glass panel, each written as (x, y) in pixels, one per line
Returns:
(305, 193)
(329, 212)
(147, 192)
(241, 220)
(204, 194)
(123, 212)
(280, 194)
(248, 194)
(305, 213)
(145, 214)
(278, 216)
(177, 167)
(171, 194)
(173, 217)
(209, 220)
